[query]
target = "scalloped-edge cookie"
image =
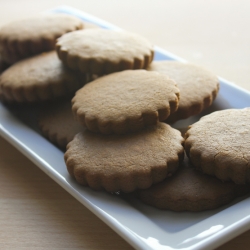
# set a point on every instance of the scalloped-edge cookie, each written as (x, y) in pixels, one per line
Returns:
(56, 121)
(99, 51)
(219, 144)
(124, 162)
(34, 35)
(125, 101)
(198, 87)
(39, 78)
(191, 190)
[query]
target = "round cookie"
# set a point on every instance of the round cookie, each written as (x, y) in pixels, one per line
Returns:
(124, 162)
(39, 78)
(191, 190)
(100, 51)
(34, 35)
(125, 101)
(198, 87)
(219, 144)
(57, 123)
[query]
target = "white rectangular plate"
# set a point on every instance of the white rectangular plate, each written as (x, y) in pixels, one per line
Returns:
(140, 225)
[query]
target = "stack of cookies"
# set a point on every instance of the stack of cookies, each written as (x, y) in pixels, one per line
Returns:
(105, 98)
(124, 146)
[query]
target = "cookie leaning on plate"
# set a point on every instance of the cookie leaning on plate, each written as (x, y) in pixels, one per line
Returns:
(198, 86)
(219, 144)
(124, 162)
(39, 78)
(100, 52)
(57, 123)
(191, 190)
(125, 101)
(34, 35)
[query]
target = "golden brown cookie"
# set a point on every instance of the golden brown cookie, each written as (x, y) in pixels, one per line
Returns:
(39, 78)
(125, 101)
(99, 51)
(191, 190)
(219, 144)
(124, 162)
(34, 35)
(57, 123)
(198, 87)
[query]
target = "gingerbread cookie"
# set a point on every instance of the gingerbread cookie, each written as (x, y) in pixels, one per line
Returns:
(39, 78)
(219, 144)
(99, 51)
(198, 87)
(34, 35)
(191, 190)
(124, 162)
(57, 123)
(125, 101)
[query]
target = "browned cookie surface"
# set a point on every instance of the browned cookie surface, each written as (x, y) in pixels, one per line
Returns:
(125, 101)
(124, 162)
(57, 123)
(198, 87)
(219, 144)
(191, 190)
(34, 35)
(99, 51)
(39, 78)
